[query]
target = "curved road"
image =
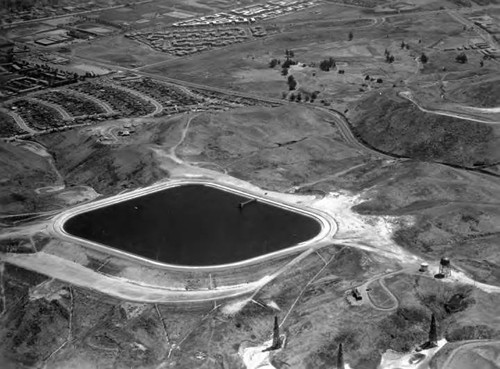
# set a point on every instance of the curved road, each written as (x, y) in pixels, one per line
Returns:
(156, 104)
(20, 122)
(108, 109)
(365, 295)
(462, 112)
(389, 293)
(345, 130)
(449, 363)
(63, 113)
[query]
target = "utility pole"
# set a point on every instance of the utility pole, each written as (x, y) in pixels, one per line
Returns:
(276, 335)
(340, 357)
(433, 331)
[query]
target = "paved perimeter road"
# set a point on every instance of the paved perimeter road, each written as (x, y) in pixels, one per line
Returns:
(134, 290)
(120, 288)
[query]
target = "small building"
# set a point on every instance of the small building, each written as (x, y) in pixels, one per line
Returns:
(356, 294)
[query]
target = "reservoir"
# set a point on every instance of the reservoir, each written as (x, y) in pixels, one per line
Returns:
(194, 225)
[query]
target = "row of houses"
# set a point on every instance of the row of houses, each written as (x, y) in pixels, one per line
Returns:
(249, 14)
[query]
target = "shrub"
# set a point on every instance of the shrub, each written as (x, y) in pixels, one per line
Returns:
(471, 332)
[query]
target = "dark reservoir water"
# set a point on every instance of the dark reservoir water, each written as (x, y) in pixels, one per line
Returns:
(193, 225)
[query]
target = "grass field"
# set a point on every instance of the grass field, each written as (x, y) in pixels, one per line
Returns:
(121, 51)
(245, 67)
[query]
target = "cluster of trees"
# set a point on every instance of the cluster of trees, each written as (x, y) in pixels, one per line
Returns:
(371, 79)
(289, 54)
(327, 64)
(292, 83)
(306, 97)
(405, 45)
(274, 62)
(423, 58)
(389, 58)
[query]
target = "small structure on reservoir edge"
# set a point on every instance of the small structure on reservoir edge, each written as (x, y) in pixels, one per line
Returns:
(445, 267)
(356, 294)
(241, 205)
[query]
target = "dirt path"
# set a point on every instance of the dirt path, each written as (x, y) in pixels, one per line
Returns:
(345, 130)
(117, 287)
(311, 281)
(395, 301)
(324, 179)
(380, 279)
(480, 115)
(450, 361)
(42, 151)
(173, 149)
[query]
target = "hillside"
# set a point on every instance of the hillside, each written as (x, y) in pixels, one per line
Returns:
(396, 126)
(21, 172)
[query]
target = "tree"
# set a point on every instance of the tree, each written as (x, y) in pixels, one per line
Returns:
(326, 64)
(273, 63)
(284, 71)
(299, 97)
(340, 357)
(287, 63)
(433, 331)
(461, 58)
(350, 36)
(292, 83)
(403, 44)
(423, 58)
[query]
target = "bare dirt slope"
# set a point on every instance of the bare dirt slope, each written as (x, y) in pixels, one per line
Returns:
(484, 94)
(21, 172)
(83, 160)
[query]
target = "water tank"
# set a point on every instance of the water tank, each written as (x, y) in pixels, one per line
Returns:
(445, 262)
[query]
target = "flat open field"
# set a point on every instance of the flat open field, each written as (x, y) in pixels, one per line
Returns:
(245, 67)
(121, 51)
